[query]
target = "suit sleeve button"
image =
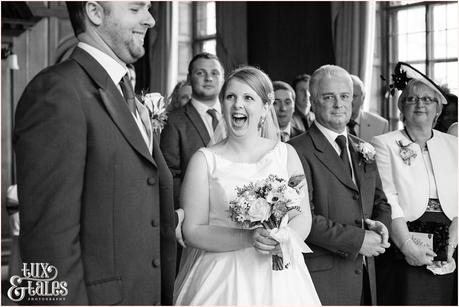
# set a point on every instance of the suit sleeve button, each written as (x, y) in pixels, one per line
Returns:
(151, 180)
(154, 223)
(358, 271)
(155, 263)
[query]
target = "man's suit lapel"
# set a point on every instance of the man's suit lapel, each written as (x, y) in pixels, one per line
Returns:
(329, 158)
(114, 102)
(197, 122)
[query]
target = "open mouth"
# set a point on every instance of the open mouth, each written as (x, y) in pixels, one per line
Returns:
(139, 35)
(238, 120)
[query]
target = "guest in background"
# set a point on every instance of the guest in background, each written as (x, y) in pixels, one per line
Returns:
(349, 208)
(448, 115)
(180, 95)
(284, 105)
(362, 124)
(302, 116)
(453, 129)
(418, 167)
(191, 127)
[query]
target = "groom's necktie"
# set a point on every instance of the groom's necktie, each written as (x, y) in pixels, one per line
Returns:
(341, 141)
(213, 114)
(128, 92)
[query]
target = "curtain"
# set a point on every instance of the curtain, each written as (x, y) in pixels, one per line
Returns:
(158, 68)
(353, 27)
(231, 33)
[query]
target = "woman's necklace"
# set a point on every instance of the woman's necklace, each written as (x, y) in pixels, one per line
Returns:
(424, 147)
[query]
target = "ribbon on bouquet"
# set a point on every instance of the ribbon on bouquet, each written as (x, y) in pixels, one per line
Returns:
(289, 240)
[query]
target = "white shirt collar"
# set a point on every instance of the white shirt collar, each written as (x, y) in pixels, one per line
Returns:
(115, 70)
(330, 134)
(202, 108)
(287, 129)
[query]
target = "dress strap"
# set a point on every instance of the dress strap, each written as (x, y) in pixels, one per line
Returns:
(210, 159)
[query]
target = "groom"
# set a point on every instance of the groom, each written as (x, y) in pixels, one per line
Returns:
(350, 210)
(95, 191)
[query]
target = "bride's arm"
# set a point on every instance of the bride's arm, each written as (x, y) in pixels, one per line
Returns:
(198, 233)
(299, 221)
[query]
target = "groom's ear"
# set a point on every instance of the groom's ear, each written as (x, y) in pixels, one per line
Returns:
(94, 12)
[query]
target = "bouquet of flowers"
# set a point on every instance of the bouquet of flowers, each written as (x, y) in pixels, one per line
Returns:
(156, 108)
(266, 203)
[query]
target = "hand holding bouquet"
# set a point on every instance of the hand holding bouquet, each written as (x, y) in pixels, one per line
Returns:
(266, 203)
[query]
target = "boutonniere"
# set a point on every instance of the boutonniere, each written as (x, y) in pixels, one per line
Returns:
(156, 108)
(367, 152)
(406, 153)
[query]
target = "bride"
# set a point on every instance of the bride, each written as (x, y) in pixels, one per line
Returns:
(225, 264)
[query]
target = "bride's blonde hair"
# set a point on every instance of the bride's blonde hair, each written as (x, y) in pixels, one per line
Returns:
(253, 77)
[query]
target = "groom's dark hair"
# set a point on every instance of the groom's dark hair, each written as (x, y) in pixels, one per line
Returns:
(76, 15)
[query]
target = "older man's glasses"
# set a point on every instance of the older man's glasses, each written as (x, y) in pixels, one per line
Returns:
(426, 100)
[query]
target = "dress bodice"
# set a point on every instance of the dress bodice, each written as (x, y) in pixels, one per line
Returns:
(225, 175)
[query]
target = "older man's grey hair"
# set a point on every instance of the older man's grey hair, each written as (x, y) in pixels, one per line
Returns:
(326, 71)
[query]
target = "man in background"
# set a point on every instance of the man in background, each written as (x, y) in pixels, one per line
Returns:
(192, 126)
(302, 117)
(362, 124)
(284, 105)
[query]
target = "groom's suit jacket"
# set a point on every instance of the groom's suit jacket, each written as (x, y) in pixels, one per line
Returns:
(94, 202)
(338, 207)
(184, 133)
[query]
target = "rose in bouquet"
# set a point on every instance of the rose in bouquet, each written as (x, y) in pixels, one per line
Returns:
(265, 203)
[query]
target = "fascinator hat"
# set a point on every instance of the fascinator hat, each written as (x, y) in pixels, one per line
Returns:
(404, 74)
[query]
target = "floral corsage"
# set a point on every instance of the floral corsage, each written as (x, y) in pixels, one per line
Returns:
(406, 153)
(157, 110)
(367, 152)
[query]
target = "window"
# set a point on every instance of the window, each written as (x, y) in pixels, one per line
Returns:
(197, 32)
(205, 31)
(424, 34)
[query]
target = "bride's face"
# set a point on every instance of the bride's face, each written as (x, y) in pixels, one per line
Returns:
(242, 108)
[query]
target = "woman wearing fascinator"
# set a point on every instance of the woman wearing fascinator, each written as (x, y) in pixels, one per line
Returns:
(418, 168)
(226, 263)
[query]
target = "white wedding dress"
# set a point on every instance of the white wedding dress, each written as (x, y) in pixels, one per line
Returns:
(242, 277)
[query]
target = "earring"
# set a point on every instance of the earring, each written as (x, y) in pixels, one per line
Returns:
(261, 123)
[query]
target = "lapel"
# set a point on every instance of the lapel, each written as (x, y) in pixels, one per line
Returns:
(359, 166)
(197, 122)
(365, 126)
(329, 158)
(114, 102)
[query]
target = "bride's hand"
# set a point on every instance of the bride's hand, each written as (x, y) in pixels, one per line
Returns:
(263, 243)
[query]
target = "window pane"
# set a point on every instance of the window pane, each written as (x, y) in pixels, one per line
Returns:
(205, 19)
(411, 47)
(185, 18)
(411, 20)
(445, 17)
(209, 46)
(445, 44)
(446, 73)
(185, 53)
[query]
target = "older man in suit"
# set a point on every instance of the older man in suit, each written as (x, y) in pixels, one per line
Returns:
(192, 126)
(362, 124)
(350, 210)
(95, 191)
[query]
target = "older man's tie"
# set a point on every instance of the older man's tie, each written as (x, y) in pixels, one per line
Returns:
(341, 141)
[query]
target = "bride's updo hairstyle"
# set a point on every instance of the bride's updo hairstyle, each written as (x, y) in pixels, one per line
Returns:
(253, 77)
